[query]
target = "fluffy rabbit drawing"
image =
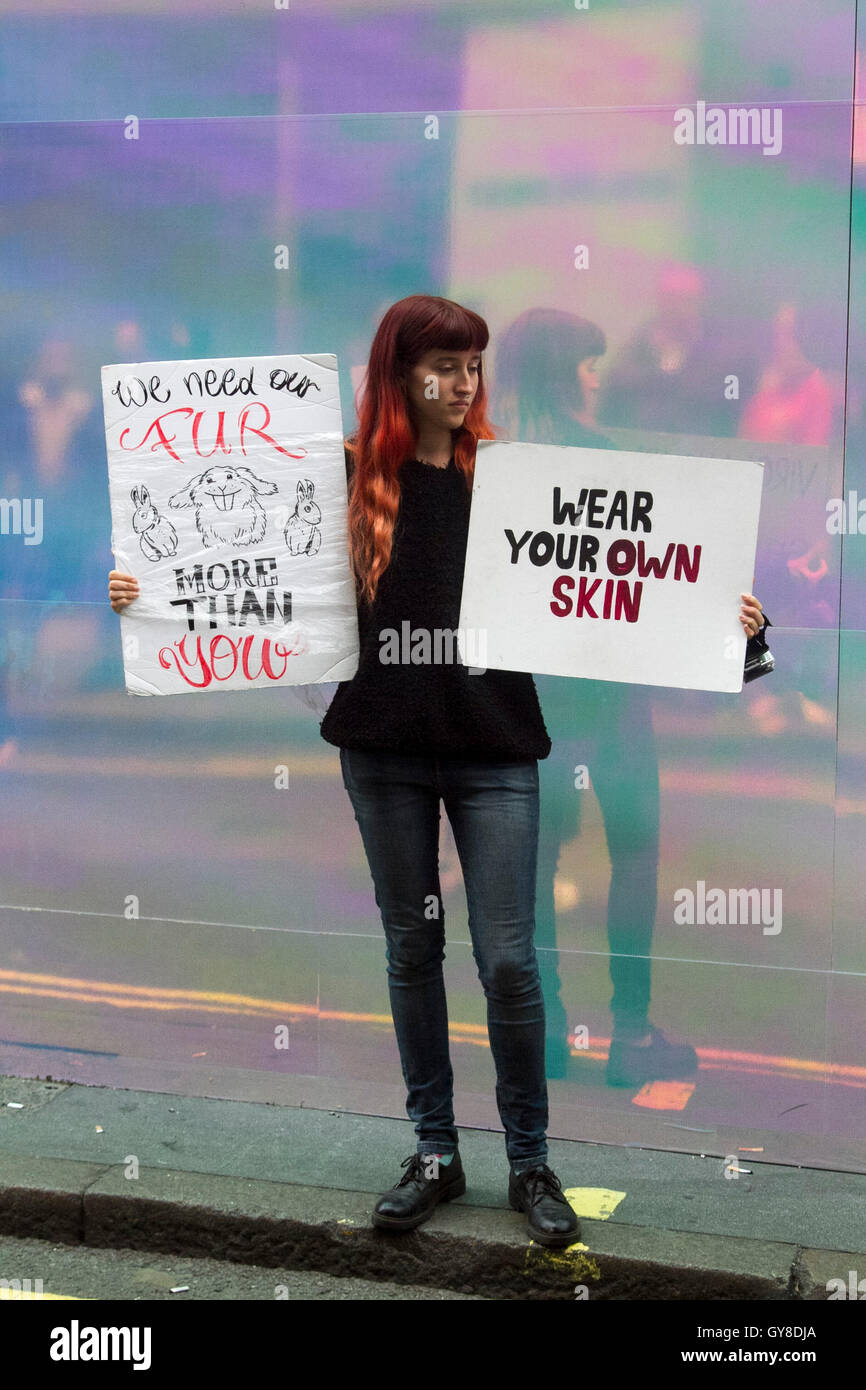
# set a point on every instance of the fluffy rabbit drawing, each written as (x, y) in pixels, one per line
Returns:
(226, 506)
(302, 533)
(156, 536)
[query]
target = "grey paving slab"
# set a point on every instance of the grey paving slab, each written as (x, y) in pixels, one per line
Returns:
(279, 1144)
(15, 1090)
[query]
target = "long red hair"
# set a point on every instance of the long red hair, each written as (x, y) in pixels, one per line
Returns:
(386, 436)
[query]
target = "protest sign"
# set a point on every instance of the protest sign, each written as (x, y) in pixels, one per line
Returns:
(610, 565)
(228, 503)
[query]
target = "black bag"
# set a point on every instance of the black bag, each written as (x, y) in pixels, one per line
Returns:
(759, 658)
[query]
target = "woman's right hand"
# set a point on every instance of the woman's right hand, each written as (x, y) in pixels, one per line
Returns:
(122, 589)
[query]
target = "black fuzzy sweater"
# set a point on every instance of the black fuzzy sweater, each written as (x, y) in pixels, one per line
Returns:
(432, 709)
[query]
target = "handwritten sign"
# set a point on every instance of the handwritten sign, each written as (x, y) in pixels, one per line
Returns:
(228, 503)
(610, 565)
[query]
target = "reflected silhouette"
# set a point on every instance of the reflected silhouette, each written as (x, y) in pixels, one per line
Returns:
(798, 403)
(545, 390)
(669, 375)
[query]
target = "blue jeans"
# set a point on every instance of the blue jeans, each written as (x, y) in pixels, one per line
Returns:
(493, 810)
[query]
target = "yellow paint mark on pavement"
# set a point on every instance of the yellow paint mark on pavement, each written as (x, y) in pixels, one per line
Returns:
(664, 1095)
(572, 1260)
(595, 1203)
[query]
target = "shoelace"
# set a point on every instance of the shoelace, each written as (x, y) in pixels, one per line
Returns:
(541, 1182)
(414, 1166)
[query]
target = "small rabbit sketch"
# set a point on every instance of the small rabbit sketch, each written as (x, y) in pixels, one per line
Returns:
(157, 537)
(303, 536)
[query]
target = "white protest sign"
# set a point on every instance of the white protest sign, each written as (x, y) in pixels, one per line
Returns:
(610, 565)
(228, 504)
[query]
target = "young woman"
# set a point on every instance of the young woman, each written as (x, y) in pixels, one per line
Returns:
(414, 735)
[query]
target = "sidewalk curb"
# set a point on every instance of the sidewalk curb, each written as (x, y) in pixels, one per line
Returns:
(468, 1249)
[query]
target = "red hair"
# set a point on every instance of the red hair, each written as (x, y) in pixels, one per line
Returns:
(386, 436)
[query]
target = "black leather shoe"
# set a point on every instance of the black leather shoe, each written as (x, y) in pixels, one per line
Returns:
(411, 1200)
(538, 1192)
(659, 1060)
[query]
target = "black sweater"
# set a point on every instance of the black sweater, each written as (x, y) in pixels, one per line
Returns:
(432, 709)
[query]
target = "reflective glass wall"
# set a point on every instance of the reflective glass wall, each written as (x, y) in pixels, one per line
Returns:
(675, 192)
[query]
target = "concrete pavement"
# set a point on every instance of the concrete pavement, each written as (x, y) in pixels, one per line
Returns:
(285, 1186)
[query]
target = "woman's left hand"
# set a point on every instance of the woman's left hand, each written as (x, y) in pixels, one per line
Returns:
(751, 614)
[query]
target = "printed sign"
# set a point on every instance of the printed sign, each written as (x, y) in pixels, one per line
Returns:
(611, 565)
(228, 504)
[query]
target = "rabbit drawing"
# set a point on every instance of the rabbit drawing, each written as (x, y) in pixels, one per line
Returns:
(227, 508)
(157, 537)
(302, 533)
